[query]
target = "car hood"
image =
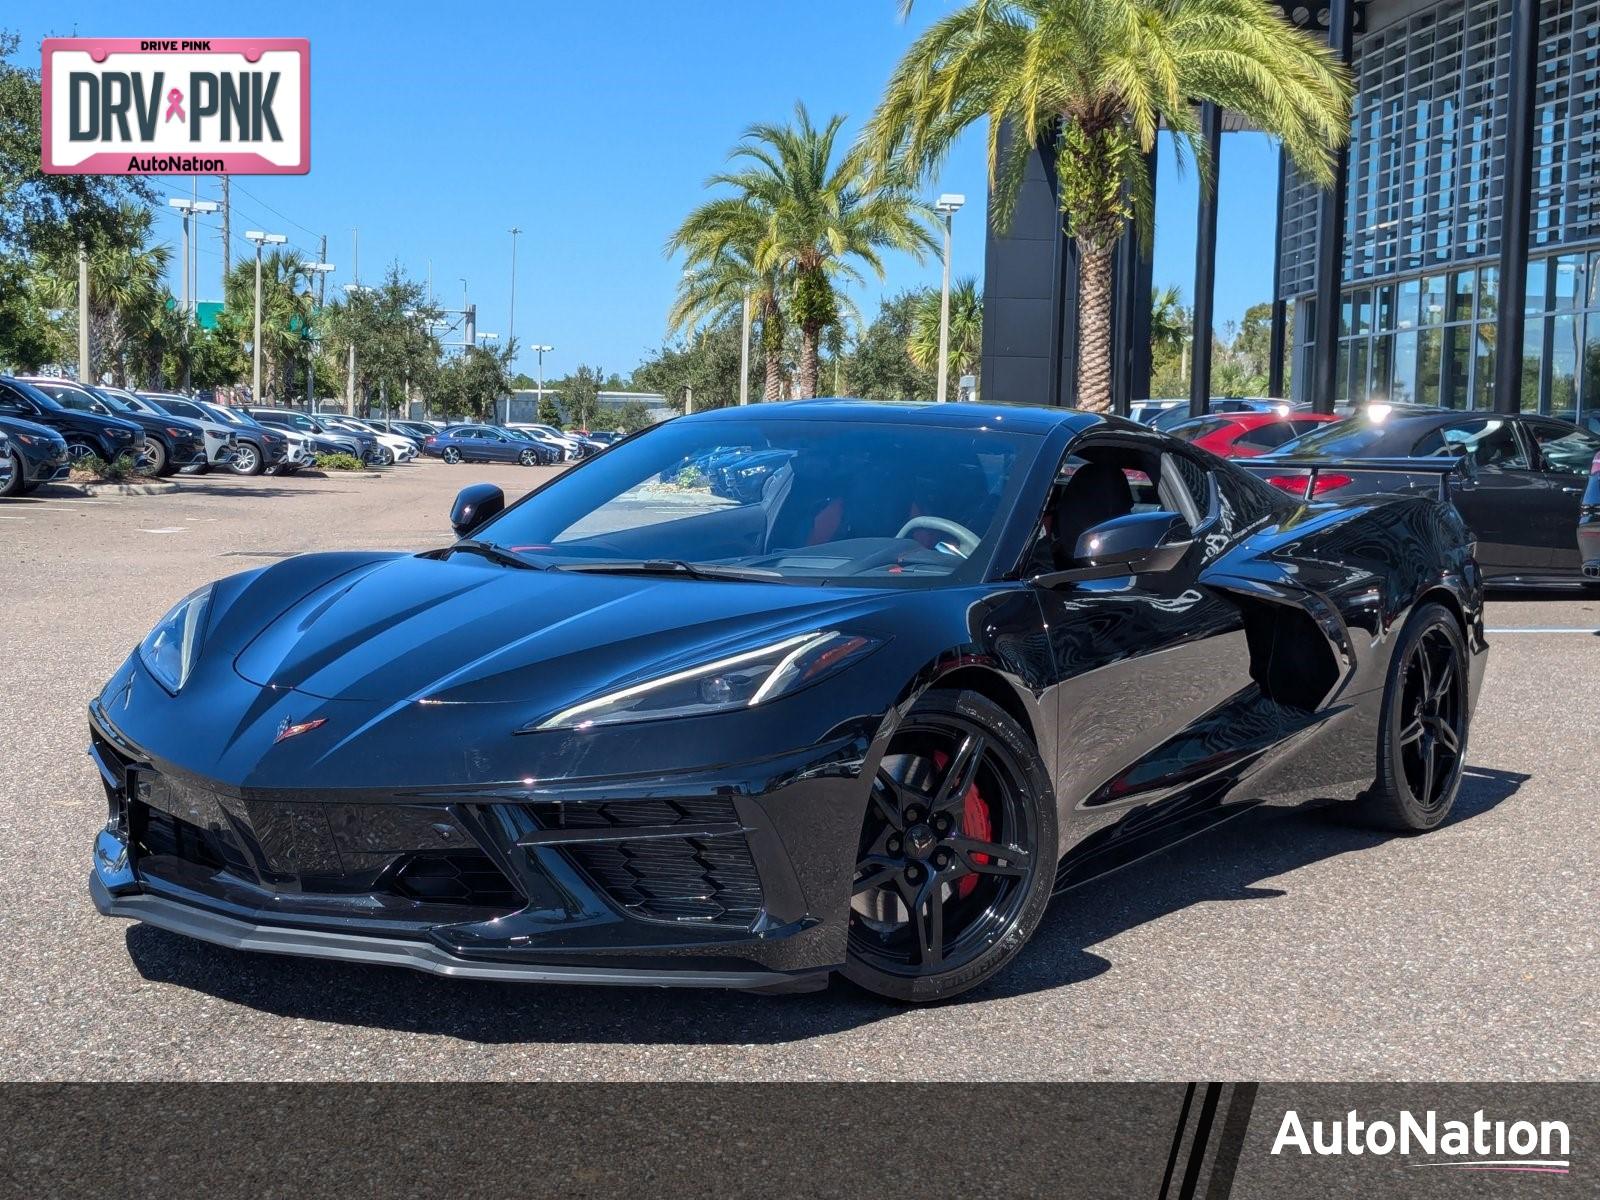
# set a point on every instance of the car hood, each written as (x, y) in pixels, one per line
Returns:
(17, 426)
(464, 630)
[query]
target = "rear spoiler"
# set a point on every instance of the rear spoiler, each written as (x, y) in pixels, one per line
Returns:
(1443, 468)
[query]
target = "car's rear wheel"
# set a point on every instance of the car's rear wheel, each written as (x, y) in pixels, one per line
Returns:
(957, 852)
(246, 459)
(1422, 740)
(451, 455)
(12, 476)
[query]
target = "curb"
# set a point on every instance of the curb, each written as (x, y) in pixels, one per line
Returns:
(118, 489)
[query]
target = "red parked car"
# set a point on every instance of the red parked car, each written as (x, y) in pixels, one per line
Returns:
(1247, 434)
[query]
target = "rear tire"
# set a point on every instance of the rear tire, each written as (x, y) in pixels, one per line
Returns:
(1422, 732)
(931, 913)
(451, 455)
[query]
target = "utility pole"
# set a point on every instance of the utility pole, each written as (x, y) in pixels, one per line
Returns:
(227, 237)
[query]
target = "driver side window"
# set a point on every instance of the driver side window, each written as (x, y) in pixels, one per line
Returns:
(1101, 481)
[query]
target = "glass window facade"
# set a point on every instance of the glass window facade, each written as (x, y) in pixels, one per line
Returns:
(1422, 238)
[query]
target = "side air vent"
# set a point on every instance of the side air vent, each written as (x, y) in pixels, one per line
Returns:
(1290, 658)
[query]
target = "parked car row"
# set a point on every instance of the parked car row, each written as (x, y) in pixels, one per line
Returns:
(530, 445)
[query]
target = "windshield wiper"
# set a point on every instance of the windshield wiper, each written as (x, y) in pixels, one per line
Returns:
(494, 554)
(671, 566)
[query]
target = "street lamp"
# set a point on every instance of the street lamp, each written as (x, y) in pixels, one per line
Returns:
(316, 268)
(190, 208)
(541, 351)
(948, 205)
(260, 239)
(352, 290)
(511, 317)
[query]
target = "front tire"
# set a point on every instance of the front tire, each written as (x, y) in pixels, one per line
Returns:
(1422, 733)
(13, 478)
(246, 459)
(957, 854)
(528, 458)
(155, 459)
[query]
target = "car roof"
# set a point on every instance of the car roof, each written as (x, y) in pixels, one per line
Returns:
(1020, 418)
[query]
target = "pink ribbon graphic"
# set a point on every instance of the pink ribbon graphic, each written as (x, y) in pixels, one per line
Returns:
(175, 105)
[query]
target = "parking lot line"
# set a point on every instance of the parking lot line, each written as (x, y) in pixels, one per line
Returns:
(1546, 629)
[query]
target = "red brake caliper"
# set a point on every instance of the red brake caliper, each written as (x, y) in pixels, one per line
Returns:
(976, 823)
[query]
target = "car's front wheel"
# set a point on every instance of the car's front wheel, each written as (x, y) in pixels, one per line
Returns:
(528, 458)
(1422, 738)
(957, 854)
(154, 462)
(246, 459)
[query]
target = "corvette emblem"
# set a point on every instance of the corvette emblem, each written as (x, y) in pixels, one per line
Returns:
(288, 729)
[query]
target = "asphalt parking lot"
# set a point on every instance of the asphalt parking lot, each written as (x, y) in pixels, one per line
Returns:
(1288, 946)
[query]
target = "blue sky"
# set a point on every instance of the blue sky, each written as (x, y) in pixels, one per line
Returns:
(592, 127)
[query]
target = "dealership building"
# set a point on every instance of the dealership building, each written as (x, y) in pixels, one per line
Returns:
(1456, 263)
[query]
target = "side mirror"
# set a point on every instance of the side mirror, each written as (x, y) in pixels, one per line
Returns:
(474, 505)
(1138, 542)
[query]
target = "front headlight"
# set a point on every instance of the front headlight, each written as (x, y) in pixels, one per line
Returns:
(122, 433)
(170, 649)
(738, 681)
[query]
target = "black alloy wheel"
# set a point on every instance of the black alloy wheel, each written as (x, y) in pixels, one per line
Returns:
(451, 455)
(528, 458)
(81, 450)
(957, 852)
(1423, 738)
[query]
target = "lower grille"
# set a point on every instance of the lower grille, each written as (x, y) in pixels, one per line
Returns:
(461, 877)
(703, 879)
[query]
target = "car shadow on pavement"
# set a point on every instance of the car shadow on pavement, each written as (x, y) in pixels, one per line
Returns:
(1226, 864)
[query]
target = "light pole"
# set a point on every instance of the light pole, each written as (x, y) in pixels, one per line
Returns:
(85, 372)
(744, 353)
(541, 351)
(190, 208)
(351, 290)
(948, 204)
(319, 269)
(260, 239)
(511, 317)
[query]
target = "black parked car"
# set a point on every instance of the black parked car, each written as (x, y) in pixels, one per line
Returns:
(87, 434)
(324, 441)
(1589, 525)
(171, 443)
(30, 454)
(1520, 491)
(852, 726)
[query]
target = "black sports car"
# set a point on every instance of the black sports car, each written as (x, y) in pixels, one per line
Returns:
(952, 658)
(1520, 493)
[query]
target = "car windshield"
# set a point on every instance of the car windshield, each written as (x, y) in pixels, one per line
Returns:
(779, 498)
(71, 398)
(115, 402)
(1337, 439)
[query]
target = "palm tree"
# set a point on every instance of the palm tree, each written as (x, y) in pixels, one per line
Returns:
(1094, 80)
(287, 304)
(126, 296)
(720, 241)
(966, 328)
(820, 215)
(1169, 321)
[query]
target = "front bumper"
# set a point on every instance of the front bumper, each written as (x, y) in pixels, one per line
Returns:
(644, 890)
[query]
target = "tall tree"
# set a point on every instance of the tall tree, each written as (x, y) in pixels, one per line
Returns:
(1092, 81)
(287, 304)
(966, 330)
(822, 220)
(880, 366)
(720, 241)
(389, 326)
(127, 300)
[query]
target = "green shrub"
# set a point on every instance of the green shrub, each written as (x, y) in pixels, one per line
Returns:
(691, 477)
(96, 467)
(339, 462)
